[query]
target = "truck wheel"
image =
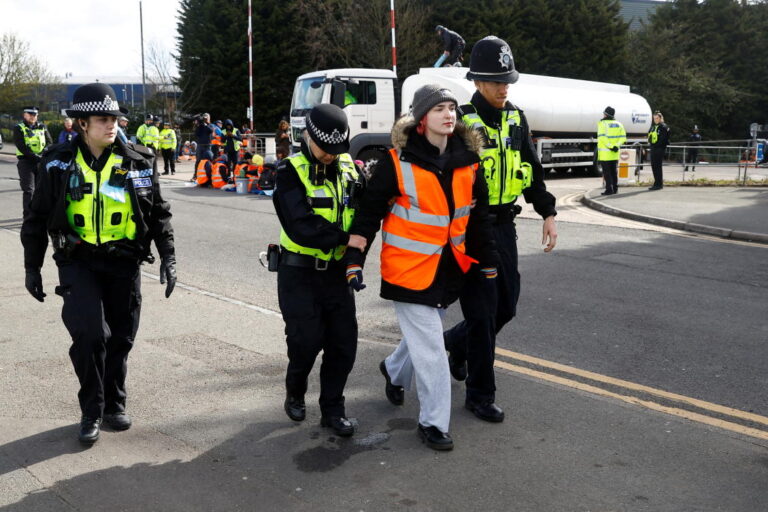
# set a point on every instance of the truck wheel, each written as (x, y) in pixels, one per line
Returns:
(370, 157)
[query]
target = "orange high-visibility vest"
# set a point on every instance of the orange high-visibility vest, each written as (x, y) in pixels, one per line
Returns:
(217, 181)
(202, 175)
(419, 225)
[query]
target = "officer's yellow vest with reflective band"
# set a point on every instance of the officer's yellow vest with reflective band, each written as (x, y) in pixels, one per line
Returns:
(98, 218)
(237, 143)
(339, 213)
(33, 139)
(609, 133)
(148, 135)
(505, 172)
(168, 139)
(653, 135)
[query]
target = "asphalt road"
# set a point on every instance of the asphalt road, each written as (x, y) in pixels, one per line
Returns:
(633, 379)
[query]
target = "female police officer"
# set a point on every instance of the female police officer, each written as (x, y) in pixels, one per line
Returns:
(315, 200)
(100, 201)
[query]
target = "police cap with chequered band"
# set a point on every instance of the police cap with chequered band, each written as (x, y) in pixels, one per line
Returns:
(491, 61)
(327, 126)
(31, 110)
(95, 99)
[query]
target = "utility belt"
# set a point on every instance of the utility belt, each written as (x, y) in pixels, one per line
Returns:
(504, 214)
(293, 259)
(72, 247)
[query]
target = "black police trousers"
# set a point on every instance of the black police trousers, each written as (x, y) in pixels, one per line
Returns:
(657, 160)
(610, 174)
(487, 306)
(102, 304)
(169, 158)
(27, 177)
(319, 313)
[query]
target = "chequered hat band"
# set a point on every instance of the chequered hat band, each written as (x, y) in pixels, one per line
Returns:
(335, 137)
(106, 105)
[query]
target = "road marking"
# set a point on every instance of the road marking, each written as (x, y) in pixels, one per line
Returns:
(674, 411)
(701, 404)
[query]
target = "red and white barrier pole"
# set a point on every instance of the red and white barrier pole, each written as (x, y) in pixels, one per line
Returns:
(394, 46)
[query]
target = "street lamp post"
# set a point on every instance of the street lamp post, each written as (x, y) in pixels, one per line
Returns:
(143, 76)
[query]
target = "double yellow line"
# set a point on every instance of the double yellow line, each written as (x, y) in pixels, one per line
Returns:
(638, 388)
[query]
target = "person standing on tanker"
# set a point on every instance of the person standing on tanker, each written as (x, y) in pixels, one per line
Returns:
(424, 190)
(511, 169)
(315, 198)
(658, 138)
(99, 200)
(30, 138)
(453, 45)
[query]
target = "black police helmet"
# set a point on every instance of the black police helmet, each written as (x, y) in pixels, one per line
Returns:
(491, 61)
(95, 99)
(327, 126)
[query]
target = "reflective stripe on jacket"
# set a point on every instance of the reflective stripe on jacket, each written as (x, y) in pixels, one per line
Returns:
(610, 133)
(419, 225)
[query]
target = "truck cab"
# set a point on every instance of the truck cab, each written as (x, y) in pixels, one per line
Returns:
(367, 97)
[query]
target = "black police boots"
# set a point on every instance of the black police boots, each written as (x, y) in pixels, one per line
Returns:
(458, 368)
(118, 421)
(395, 394)
(340, 425)
(434, 438)
(89, 430)
(485, 410)
(295, 408)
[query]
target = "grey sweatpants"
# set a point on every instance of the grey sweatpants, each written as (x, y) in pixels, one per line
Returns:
(421, 354)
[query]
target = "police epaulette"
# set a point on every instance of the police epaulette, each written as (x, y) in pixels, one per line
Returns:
(142, 150)
(467, 109)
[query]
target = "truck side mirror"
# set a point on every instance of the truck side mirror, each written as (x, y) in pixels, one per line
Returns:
(338, 91)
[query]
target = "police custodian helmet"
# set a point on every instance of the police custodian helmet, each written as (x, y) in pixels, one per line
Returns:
(491, 61)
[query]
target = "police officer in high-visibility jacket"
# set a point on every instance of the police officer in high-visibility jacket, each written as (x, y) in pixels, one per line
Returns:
(658, 139)
(610, 137)
(149, 135)
(511, 167)
(316, 193)
(30, 138)
(168, 147)
(99, 200)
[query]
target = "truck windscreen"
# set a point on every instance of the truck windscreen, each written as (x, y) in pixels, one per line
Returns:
(305, 96)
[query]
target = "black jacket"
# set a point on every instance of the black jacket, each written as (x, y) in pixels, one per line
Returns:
(383, 187)
(663, 141)
(18, 140)
(48, 209)
(543, 201)
(302, 225)
(229, 140)
(451, 40)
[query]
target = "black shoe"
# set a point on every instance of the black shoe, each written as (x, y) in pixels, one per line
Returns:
(118, 421)
(655, 188)
(165, 174)
(89, 430)
(295, 408)
(435, 439)
(458, 369)
(340, 425)
(395, 394)
(606, 193)
(486, 411)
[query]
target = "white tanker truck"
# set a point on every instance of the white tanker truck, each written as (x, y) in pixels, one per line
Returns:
(562, 113)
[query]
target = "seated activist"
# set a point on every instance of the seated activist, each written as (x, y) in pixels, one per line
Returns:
(434, 204)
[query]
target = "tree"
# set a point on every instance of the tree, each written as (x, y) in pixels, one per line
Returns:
(23, 77)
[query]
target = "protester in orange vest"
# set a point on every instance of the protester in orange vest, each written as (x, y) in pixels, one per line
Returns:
(203, 173)
(437, 227)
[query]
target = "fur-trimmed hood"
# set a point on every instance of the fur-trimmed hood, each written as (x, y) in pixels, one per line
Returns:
(473, 140)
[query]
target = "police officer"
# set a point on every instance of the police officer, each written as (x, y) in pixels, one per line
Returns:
(168, 147)
(100, 201)
(149, 135)
(658, 138)
(315, 198)
(610, 137)
(30, 138)
(511, 169)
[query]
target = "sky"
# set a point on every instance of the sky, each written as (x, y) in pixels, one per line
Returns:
(91, 37)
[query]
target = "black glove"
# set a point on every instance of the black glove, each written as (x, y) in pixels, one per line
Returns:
(34, 284)
(355, 277)
(615, 149)
(168, 273)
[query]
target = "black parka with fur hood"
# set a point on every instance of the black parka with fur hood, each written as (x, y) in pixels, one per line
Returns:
(462, 150)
